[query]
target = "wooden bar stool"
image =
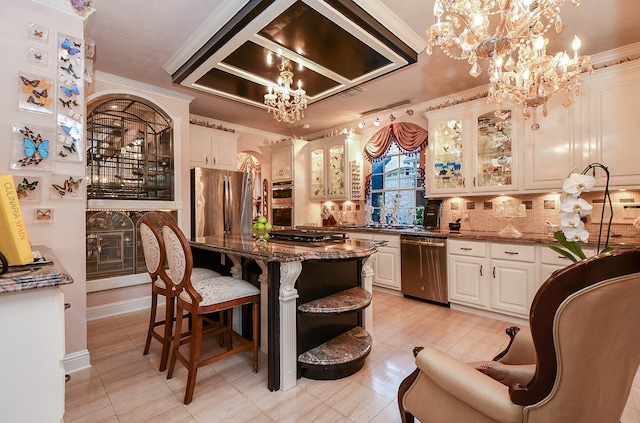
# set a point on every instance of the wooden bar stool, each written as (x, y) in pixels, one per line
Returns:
(155, 260)
(200, 298)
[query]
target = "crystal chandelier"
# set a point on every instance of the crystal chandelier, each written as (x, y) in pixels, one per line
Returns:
(519, 69)
(287, 105)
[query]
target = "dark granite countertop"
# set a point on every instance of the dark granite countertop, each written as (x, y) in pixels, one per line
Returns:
(285, 251)
(526, 238)
(45, 273)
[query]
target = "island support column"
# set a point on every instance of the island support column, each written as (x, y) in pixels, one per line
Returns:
(288, 294)
(367, 283)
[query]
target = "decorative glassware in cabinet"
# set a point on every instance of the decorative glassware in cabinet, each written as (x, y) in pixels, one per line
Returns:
(336, 170)
(447, 155)
(317, 173)
(355, 180)
(494, 149)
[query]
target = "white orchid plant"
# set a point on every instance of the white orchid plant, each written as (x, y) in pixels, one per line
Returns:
(572, 211)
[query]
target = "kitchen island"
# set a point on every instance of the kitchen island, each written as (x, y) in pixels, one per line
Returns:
(291, 273)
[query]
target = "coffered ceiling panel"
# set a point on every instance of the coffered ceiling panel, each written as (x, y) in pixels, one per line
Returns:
(333, 46)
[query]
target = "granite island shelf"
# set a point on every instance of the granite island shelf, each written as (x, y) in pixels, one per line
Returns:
(289, 274)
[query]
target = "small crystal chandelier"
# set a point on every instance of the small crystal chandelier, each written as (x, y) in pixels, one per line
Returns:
(519, 69)
(285, 106)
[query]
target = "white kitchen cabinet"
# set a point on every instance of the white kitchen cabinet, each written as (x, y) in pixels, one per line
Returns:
(386, 266)
(468, 273)
(386, 261)
(212, 148)
(554, 148)
(282, 161)
(512, 278)
(471, 150)
(32, 384)
(610, 110)
(329, 168)
(550, 261)
(494, 277)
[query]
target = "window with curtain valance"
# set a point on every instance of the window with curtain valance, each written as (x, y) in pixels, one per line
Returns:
(394, 185)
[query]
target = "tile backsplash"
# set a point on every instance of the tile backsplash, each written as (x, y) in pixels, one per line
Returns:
(478, 213)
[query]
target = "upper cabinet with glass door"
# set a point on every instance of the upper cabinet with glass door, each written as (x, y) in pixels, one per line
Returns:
(330, 178)
(494, 157)
(471, 150)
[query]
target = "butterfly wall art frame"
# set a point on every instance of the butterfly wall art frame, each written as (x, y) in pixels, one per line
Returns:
(69, 142)
(68, 187)
(31, 147)
(35, 93)
(38, 33)
(44, 215)
(70, 67)
(28, 188)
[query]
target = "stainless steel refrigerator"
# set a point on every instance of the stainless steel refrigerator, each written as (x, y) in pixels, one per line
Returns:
(221, 202)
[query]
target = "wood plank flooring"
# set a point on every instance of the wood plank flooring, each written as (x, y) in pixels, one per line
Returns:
(124, 386)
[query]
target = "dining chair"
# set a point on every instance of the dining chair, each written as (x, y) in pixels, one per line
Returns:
(200, 298)
(155, 260)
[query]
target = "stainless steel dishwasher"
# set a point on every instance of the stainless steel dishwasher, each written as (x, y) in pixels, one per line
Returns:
(424, 267)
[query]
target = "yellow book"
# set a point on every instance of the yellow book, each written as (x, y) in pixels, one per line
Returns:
(14, 242)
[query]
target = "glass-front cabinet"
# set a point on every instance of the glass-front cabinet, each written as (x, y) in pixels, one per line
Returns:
(471, 150)
(329, 164)
(494, 158)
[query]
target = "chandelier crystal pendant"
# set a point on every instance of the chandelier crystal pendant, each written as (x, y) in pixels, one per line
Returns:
(285, 104)
(519, 69)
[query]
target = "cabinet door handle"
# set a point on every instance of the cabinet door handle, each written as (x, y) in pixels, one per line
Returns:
(511, 252)
(466, 248)
(480, 270)
(474, 181)
(214, 161)
(463, 183)
(206, 160)
(494, 272)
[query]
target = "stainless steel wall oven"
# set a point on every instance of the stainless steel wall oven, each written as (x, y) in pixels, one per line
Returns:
(282, 205)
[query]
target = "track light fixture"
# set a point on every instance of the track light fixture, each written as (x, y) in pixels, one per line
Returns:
(392, 117)
(376, 122)
(361, 124)
(409, 112)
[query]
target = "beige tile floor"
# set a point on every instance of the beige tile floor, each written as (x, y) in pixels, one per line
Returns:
(124, 386)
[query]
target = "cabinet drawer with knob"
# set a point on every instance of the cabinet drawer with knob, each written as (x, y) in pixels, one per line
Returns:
(517, 252)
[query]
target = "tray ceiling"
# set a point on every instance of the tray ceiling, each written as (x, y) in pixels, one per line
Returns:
(333, 45)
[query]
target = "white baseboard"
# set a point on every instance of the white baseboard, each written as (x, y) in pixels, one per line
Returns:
(79, 360)
(120, 307)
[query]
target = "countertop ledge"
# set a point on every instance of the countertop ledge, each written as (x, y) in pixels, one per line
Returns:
(527, 238)
(34, 276)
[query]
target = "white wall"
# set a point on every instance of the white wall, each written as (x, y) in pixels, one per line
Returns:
(66, 235)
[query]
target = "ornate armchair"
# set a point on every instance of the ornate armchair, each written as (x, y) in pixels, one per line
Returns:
(583, 339)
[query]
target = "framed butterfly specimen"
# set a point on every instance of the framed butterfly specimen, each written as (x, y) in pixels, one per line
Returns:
(69, 188)
(43, 215)
(38, 33)
(35, 93)
(31, 147)
(69, 47)
(27, 187)
(38, 57)
(69, 146)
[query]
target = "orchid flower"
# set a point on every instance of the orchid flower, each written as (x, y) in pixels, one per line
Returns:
(575, 204)
(577, 183)
(576, 234)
